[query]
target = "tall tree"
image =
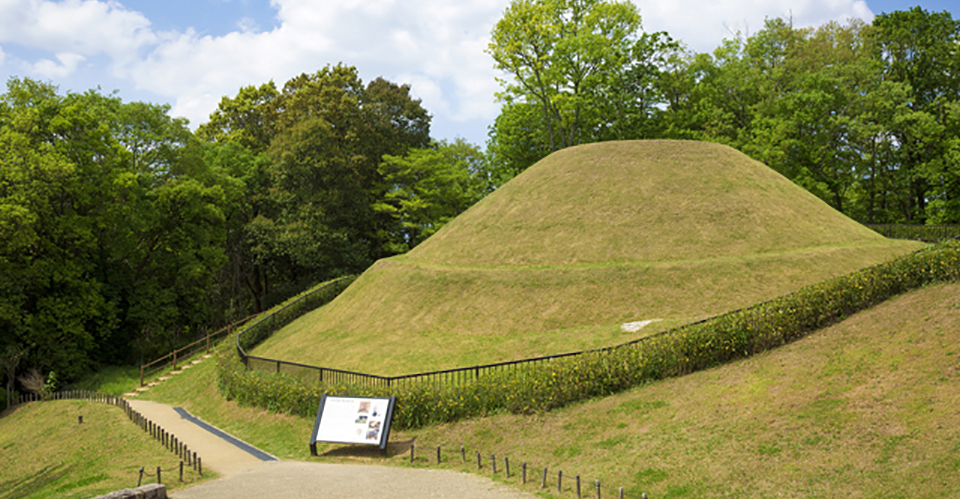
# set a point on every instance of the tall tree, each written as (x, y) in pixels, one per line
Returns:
(106, 234)
(922, 49)
(331, 133)
(559, 55)
(429, 187)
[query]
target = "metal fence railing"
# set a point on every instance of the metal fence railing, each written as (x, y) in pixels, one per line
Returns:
(268, 323)
(925, 233)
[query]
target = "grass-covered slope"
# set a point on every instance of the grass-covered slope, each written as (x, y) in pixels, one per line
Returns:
(587, 239)
(47, 454)
(866, 408)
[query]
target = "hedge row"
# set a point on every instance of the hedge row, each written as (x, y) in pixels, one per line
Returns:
(544, 386)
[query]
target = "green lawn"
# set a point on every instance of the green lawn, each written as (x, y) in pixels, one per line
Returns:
(866, 408)
(588, 239)
(46, 453)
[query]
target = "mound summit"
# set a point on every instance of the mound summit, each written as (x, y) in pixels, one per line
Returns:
(588, 238)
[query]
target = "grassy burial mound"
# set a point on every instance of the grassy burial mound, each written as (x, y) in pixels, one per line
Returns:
(587, 239)
(864, 408)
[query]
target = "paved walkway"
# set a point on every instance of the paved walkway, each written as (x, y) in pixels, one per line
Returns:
(216, 452)
(249, 472)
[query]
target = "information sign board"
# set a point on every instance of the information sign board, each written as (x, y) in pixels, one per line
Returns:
(352, 420)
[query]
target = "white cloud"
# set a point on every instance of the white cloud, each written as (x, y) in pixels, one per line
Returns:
(437, 46)
(65, 65)
(86, 27)
(702, 24)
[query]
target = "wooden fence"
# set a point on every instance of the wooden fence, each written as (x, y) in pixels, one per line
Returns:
(169, 440)
(527, 475)
(184, 352)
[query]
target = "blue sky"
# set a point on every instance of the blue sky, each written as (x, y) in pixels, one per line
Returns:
(190, 53)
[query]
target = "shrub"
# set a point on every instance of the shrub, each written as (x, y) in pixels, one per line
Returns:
(928, 233)
(546, 385)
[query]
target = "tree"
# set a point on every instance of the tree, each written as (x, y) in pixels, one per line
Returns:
(922, 50)
(517, 141)
(109, 235)
(559, 55)
(429, 187)
(331, 133)
(248, 119)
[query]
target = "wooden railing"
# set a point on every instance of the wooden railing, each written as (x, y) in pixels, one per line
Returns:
(173, 357)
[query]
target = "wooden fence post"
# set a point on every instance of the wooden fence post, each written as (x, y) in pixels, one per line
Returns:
(523, 469)
(543, 482)
(578, 488)
(140, 480)
(506, 465)
(598, 489)
(493, 463)
(438, 454)
(560, 481)
(158, 475)
(181, 474)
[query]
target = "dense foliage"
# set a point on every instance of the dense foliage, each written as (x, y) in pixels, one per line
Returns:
(124, 234)
(867, 117)
(547, 385)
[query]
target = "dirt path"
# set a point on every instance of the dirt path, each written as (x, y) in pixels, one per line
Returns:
(249, 472)
(295, 480)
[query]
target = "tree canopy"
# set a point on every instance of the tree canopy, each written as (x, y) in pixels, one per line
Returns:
(862, 115)
(124, 233)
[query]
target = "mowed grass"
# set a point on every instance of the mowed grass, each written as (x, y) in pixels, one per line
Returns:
(46, 453)
(864, 409)
(194, 389)
(588, 239)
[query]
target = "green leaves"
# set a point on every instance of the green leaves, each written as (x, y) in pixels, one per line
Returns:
(109, 235)
(558, 54)
(429, 187)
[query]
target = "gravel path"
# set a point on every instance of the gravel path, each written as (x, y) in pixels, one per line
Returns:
(248, 472)
(295, 480)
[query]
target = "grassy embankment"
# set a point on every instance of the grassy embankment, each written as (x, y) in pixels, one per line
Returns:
(866, 408)
(704, 232)
(46, 453)
(589, 238)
